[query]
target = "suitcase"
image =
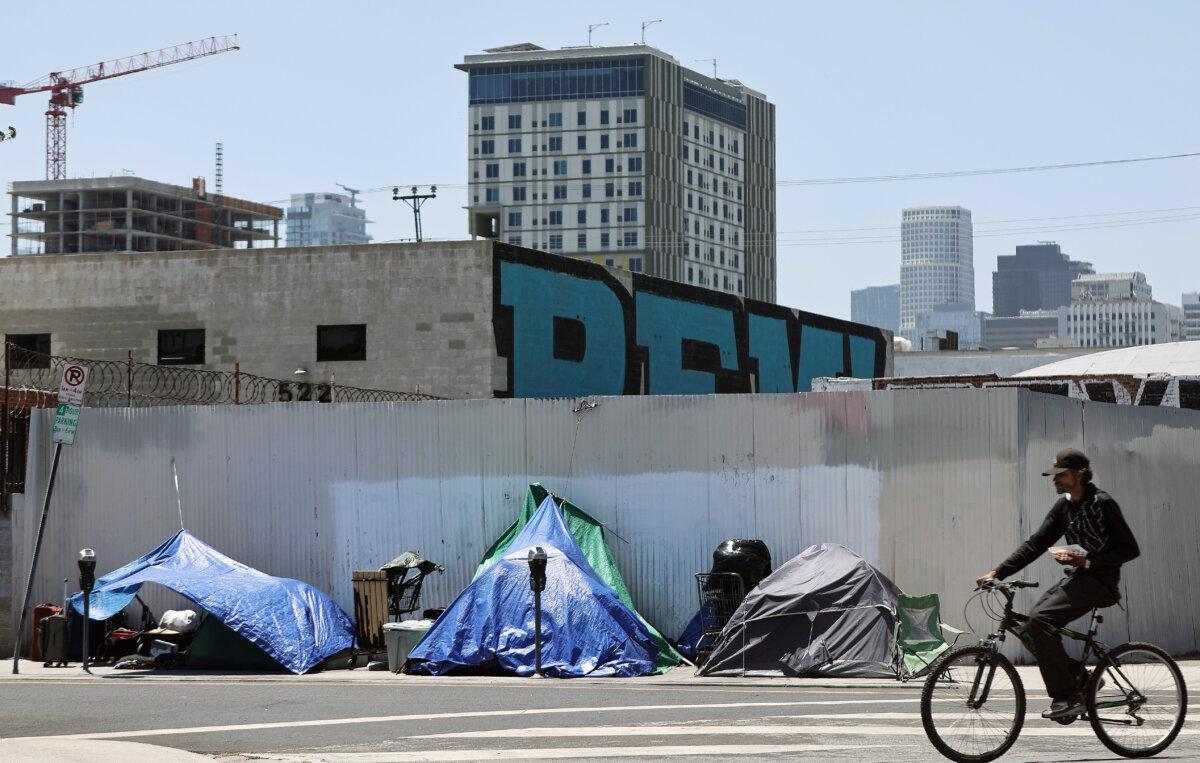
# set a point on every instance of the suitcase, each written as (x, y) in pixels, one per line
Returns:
(52, 640)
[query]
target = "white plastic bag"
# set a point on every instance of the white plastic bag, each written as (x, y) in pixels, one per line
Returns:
(182, 620)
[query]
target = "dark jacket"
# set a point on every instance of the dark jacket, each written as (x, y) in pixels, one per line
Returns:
(1096, 523)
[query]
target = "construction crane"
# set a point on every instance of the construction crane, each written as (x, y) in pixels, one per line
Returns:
(354, 192)
(66, 88)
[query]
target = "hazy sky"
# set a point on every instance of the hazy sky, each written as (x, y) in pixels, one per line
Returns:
(366, 94)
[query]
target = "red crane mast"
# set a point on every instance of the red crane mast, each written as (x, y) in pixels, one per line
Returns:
(66, 88)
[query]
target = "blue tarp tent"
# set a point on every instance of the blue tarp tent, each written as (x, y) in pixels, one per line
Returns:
(586, 629)
(294, 623)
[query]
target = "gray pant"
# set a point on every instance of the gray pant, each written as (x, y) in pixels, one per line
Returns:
(1068, 599)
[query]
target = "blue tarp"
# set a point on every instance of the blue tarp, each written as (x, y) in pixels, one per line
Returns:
(297, 625)
(586, 629)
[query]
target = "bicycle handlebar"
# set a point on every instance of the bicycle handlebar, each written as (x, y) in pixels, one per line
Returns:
(1010, 584)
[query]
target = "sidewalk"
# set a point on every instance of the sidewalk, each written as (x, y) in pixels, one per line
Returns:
(682, 676)
(93, 751)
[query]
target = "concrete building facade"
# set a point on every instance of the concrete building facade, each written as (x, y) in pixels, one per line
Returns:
(470, 319)
(1120, 323)
(1108, 287)
(1036, 277)
(130, 214)
(877, 306)
(325, 219)
(1191, 315)
(623, 157)
(937, 264)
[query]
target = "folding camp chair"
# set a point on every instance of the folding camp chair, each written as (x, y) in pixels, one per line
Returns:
(920, 635)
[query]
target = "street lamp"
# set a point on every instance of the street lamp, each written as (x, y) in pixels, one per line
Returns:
(537, 582)
(87, 581)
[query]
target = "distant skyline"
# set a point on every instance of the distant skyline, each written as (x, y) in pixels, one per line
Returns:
(368, 97)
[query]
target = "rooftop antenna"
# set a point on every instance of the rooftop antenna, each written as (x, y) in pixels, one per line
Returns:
(354, 192)
(594, 26)
(178, 495)
(219, 172)
(646, 24)
(416, 201)
(712, 61)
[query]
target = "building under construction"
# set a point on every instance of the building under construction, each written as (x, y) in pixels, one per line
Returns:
(130, 214)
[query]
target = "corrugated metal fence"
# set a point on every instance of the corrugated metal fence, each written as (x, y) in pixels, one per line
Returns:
(934, 486)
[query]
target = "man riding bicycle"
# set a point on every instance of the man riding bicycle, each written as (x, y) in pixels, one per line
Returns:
(1089, 518)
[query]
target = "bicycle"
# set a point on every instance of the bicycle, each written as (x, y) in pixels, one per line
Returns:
(973, 702)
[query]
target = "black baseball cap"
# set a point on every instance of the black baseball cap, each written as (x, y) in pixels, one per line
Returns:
(1068, 459)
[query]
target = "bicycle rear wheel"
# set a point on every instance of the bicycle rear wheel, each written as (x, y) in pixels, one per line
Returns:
(960, 726)
(1138, 708)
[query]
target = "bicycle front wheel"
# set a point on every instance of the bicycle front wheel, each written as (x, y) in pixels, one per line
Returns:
(973, 704)
(1137, 700)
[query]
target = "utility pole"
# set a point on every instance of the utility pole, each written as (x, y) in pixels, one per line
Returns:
(415, 201)
(646, 24)
(592, 27)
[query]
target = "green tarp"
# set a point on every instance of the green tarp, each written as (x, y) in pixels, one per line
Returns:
(589, 534)
(216, 646)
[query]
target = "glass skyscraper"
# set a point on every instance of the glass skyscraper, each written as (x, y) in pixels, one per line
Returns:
(937, 262)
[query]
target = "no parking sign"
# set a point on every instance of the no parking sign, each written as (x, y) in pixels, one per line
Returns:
(70, 400)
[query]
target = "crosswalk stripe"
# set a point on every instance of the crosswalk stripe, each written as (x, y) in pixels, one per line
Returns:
(561, 753)
(744, 729)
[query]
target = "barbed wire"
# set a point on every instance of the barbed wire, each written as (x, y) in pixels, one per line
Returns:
(130, 384)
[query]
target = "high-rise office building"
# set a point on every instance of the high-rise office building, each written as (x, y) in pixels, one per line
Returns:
(877, 306)
(1191, 315)
(325, 219)
(937, 263)
(1037, 277)
(622, 156)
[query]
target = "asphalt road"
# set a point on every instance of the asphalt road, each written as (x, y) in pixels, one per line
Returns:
(505, 718)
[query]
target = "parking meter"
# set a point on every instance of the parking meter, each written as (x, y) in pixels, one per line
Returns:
(87, 581)
(537, 583)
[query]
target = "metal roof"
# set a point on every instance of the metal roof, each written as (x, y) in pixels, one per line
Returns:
(1171, 359)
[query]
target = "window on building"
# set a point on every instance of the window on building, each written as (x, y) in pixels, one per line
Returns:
(581, 217)
(635, 188)
(689, 273)
(635, 264)
(610, 262)
(514, 145)
(604, 240)
(603, 141)
(581, 241)
(587, 190)
(685, 127)
(630, 214)
(31, 343)
(689, 202)
(556, 217)
(555, 241)
(514, 219)
(555, 143)
(514, 121)
(493, 196)
(560, 192)
(181, 347)
(587, 166)
(518, 193)
(581, 142)
(492, 170)
(581, 118)
(610, 165)
(630, 116)
(604, 216)
(609, 190)
(519, 169)
(604, 116)
(721, 140)
(514, 240)
(347, 342)
(630, 140)
(556, 119)
(560, 167)
(631, 238)
(487, 146)
(634, 164)
(487, 123)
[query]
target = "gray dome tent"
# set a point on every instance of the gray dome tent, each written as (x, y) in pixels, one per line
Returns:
(826, 612)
